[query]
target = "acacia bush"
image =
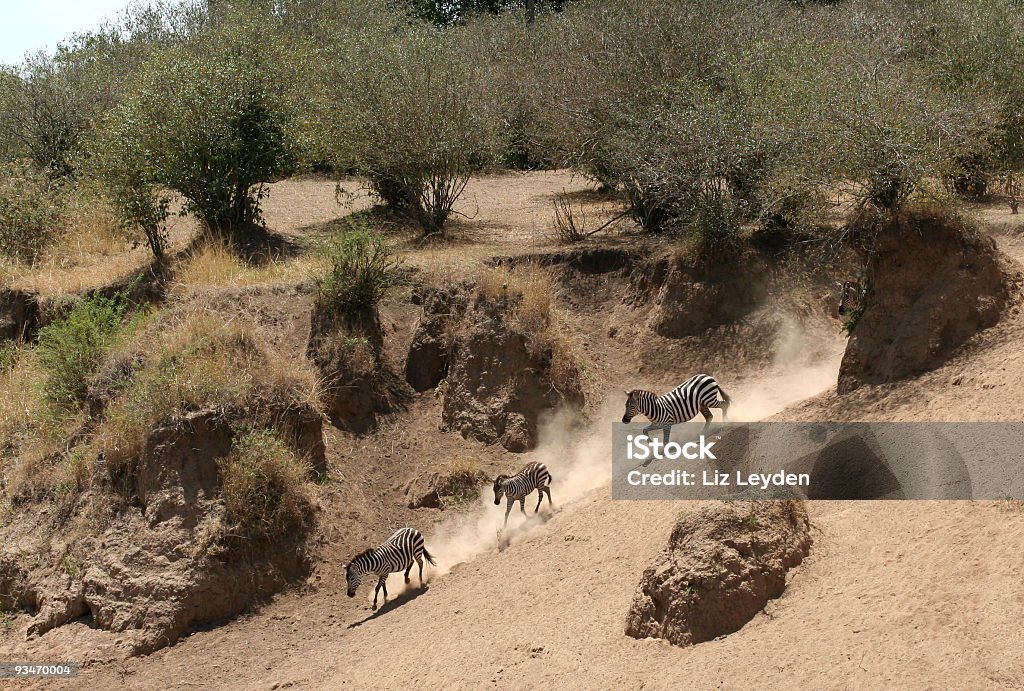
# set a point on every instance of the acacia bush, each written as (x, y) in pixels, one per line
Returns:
(415, 126)
(360, 269)
(31, 211)
(205, 120)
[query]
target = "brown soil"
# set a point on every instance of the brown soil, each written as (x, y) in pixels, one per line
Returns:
(933, 282)
(902, 593)
(722, 566)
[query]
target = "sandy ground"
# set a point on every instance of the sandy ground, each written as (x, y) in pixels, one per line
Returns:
(901, 595)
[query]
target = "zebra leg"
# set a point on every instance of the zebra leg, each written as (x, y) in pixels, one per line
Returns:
(666, 430)
(540, 498)
(708, 417)
(649, 427)
(522, 506)
(548, 491)
(384, 585)
(380, 584)
(508, 509)
(409, 568)
(419, 560)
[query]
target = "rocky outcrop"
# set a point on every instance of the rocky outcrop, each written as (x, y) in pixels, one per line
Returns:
(500, 379)
(722, 565)
(427, 363)
(933, 281)
(165, 560)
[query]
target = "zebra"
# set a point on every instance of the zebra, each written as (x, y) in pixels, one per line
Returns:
(533, 476)
(681, 404)
(394, 555)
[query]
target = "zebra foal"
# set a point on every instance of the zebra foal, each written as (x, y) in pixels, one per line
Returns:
(533, 476)
(698, 394)
(397, 553)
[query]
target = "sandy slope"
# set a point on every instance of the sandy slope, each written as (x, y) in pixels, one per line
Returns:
(910, 594)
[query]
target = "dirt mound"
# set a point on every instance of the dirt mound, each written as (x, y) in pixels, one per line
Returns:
(689, 300)
(18, 313)
(359, 384)
(932, 282)
(721, 567)
(427, 363)
(163, 558)
(500, 378)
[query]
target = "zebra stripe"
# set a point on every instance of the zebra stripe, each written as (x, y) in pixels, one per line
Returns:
(397, 553)
(697, 395)
(533, 476)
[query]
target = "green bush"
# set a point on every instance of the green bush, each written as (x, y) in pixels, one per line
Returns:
(206, 120)
(263, 487)
(71, 349)
(31, 211)
(412, 121)
(360, 269)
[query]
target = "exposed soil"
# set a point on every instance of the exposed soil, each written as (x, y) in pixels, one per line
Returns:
(932, 284)
(722, 566)
(900, 593)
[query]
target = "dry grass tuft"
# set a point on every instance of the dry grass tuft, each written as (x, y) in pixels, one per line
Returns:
(264, 488)
(531, 291)
(460, 480)
(215, 263)
(196, 361)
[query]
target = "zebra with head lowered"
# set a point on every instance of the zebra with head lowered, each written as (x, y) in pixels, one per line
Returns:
(681, 404)
(398, 553)
(533, 476)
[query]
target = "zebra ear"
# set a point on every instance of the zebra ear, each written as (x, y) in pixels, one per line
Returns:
(627, 392)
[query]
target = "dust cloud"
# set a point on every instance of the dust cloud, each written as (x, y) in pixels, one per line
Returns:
(579, 456)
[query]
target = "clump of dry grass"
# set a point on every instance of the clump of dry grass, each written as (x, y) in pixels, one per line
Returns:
(216, 263)
(264, 487)
(196, 361)
(459, 480)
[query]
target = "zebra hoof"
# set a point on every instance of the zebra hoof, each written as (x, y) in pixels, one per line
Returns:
(374, 607)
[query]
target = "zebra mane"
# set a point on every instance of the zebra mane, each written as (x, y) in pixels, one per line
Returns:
(365, 552)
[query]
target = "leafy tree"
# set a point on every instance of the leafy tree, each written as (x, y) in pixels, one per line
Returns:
(206, 120)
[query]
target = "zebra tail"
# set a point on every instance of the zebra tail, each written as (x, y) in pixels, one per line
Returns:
(430, 559)
(724, 395)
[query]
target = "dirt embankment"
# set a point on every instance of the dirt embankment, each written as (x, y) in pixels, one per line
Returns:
(932, 282)
(722, 566)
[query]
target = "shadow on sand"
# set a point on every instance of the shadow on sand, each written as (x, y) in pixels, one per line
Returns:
(407, 596)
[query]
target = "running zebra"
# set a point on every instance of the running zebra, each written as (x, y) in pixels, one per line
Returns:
(533, 476)
(681, 404)
(394, 555)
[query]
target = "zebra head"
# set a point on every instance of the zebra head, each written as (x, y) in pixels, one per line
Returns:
(632, 406)
(499, 488)
(355, 570)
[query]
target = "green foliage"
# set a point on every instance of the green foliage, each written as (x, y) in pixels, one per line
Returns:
(72, 348)
(407, 114)
(31, 211)
(206, 120)
(9, 353)
(263, 487)
(360, 269)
